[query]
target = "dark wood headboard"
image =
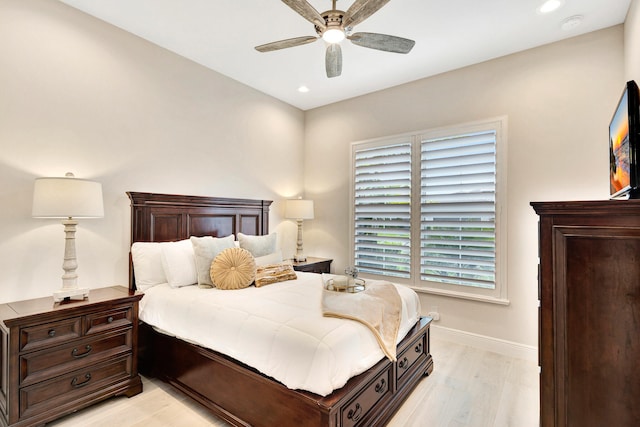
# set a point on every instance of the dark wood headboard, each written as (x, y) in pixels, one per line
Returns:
(168, 217)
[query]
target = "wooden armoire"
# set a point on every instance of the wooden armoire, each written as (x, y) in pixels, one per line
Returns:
(589, 316)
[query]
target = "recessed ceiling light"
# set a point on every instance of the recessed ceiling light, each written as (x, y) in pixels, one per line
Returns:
(550, 6)
(571, 22)
(303, 89)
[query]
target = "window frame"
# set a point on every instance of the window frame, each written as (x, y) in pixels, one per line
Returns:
(497, 295)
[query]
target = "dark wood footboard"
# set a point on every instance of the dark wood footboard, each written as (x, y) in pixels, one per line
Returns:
(244, 397)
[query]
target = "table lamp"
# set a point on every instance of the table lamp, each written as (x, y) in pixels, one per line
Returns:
(299, 210)
(68, 198)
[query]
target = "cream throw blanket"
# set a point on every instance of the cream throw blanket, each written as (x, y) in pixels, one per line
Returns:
(378, 307)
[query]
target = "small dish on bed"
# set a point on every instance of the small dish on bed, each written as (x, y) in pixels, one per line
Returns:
(337, 283)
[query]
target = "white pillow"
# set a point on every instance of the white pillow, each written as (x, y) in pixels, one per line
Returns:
(272, 258)
(205, 250)
(179, 263)
(147, 264)
(258, 245)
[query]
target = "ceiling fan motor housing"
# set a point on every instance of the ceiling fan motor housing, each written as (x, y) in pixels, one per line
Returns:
(333, 21)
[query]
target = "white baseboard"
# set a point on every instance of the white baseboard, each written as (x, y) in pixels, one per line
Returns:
(507, 348)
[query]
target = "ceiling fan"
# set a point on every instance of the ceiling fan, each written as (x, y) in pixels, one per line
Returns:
(334, 25)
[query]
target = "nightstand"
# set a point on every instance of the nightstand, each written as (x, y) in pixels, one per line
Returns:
(313, 265)
(61, 357)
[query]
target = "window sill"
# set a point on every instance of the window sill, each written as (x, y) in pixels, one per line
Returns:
(461, 295)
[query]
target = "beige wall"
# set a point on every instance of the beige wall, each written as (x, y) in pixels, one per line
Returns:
(632, 43)
(79, 95)
(558, 99)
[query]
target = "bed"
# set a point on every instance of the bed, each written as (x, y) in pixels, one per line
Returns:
(232, 390)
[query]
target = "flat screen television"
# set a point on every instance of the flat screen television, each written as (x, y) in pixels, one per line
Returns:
(624, 142)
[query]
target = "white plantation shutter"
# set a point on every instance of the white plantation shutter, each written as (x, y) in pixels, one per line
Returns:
(430, 210)
(382, 210)
(458, 209)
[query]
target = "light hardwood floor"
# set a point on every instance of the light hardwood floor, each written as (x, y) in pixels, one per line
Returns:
(468, 387)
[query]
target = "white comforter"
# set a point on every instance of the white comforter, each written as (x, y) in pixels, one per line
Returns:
(277, 329)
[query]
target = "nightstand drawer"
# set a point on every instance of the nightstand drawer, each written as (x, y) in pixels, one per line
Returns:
(49, 334)
(59, 357)
(110, 319)
(68, 388)
(45, 364)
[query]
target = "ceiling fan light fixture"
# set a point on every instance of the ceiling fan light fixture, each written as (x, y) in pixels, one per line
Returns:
(333, 35)
(333, 26)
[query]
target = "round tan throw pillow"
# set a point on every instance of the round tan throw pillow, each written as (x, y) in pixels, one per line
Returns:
(233, 268)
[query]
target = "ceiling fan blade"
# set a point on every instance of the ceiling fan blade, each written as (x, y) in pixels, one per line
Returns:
(361, 10)
(283, 44)
(382, 42)
(308, 12)
(333, 60)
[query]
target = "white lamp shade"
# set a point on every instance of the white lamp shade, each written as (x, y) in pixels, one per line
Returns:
(299, 209)
(67, 197)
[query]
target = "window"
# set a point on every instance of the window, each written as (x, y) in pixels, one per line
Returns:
(382, 210)
(428, 210)
(457, 214)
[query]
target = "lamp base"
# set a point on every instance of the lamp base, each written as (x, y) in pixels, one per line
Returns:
(299, 258)
(77, 294)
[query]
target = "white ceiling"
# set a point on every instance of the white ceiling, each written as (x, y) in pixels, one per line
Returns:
(221, 35)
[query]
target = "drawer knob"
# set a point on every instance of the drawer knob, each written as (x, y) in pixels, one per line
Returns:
(418, 348)
(404, 363)
(52, 333)
(75, 354)
(76, 384)
(381, 386)
(110, 319)
(354, 414)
